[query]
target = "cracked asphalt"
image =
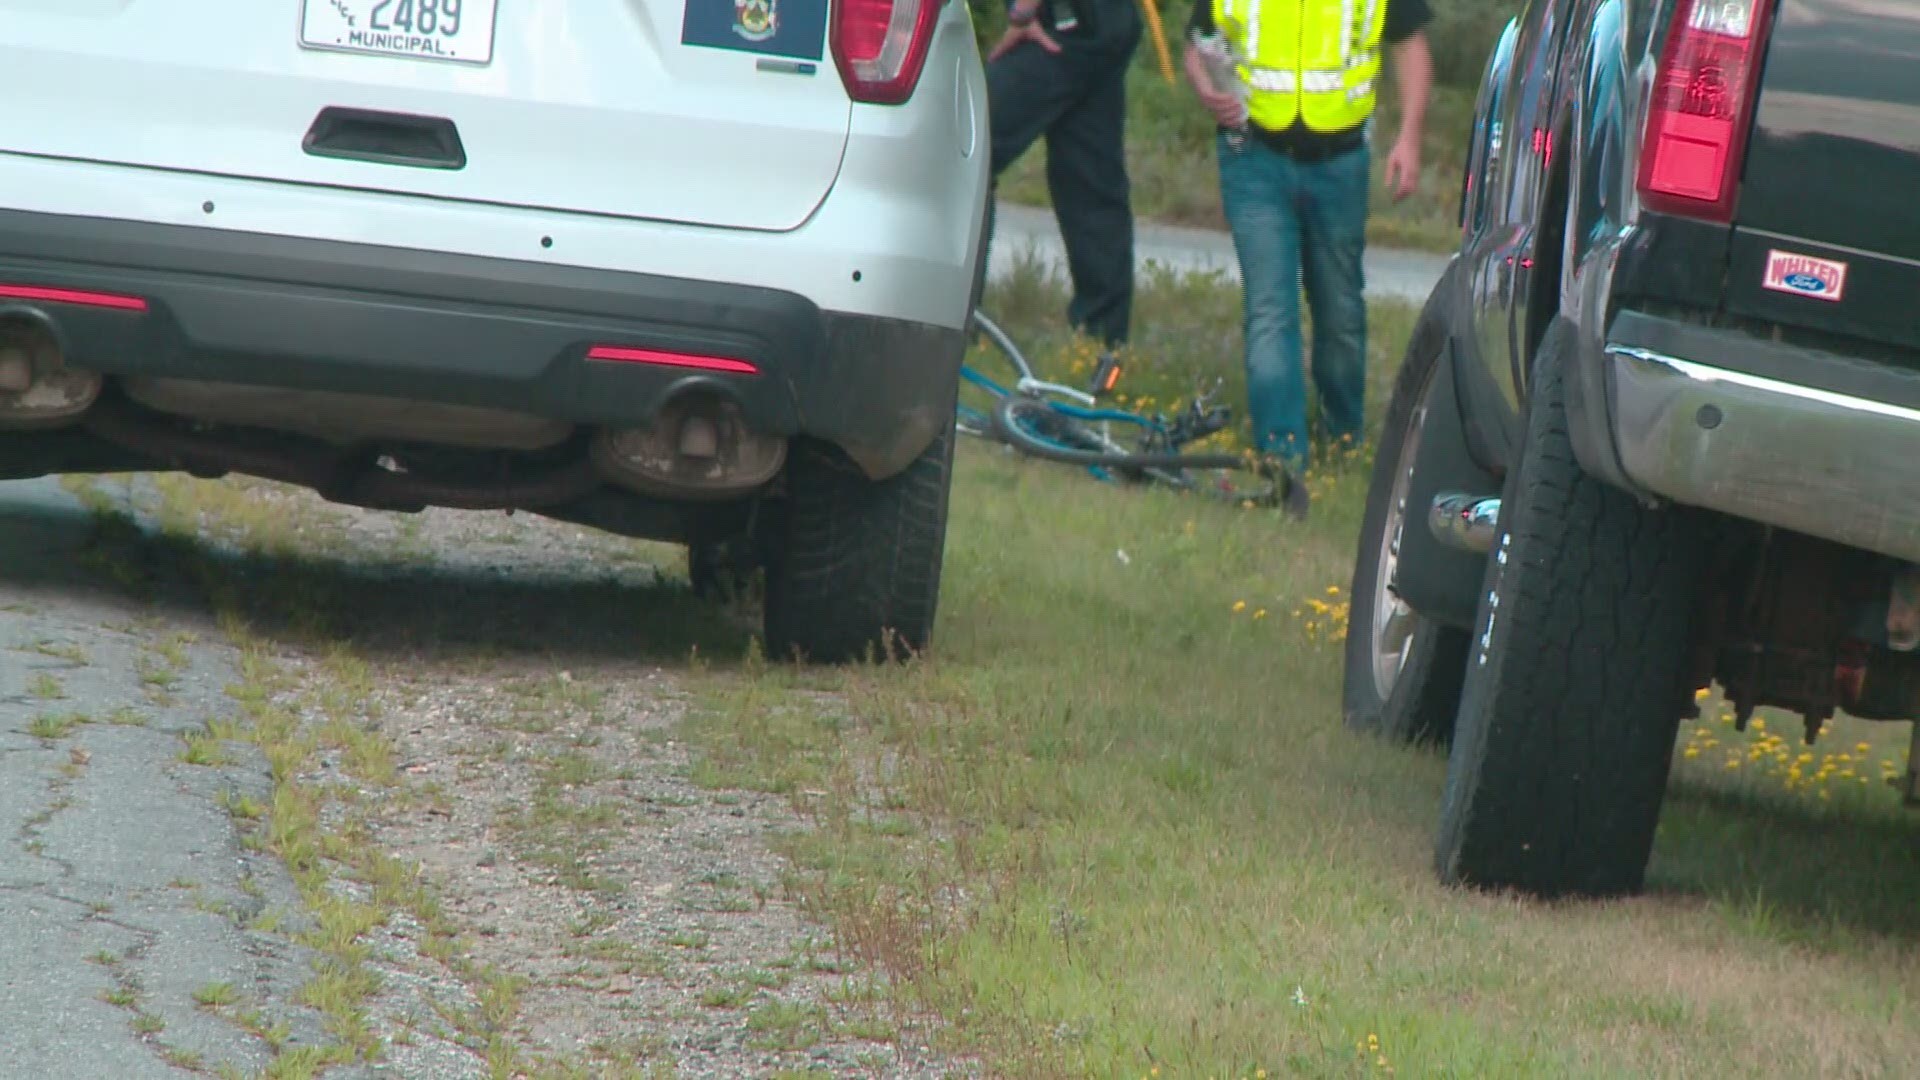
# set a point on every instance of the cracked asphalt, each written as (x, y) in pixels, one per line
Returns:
(125, 889)
(289, 790)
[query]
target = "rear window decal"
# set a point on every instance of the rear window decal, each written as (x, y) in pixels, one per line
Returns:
(791, 28)
(1804, 275)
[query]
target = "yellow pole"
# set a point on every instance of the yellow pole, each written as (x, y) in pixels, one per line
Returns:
(1152, 11)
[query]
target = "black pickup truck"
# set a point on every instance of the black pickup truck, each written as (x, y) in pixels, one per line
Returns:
(1659, 425)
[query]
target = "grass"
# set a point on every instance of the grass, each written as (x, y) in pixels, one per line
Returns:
(1149, 843)
(255, 564)
(1170, 155)
(1115, 824)
(51, 726)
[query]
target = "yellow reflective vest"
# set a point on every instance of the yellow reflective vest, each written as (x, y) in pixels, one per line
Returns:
(1312, 60)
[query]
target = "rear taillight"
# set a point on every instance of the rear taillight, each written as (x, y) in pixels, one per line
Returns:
(1703, 96)
(79, 297)
(622, 354)
(881, 46)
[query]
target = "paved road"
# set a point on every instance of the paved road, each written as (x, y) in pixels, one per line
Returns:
(534, 775)
(1025, 230)
(124, 888)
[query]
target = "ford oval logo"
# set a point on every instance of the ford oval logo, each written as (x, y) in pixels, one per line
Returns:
(1806, 283)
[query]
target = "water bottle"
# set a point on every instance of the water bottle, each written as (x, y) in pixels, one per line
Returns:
(1222, 62)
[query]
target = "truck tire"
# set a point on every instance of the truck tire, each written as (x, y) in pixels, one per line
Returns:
(854, 571)
(1576, 681)
(1403, 670)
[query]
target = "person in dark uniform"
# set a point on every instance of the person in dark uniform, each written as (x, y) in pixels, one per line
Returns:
(1060, 71)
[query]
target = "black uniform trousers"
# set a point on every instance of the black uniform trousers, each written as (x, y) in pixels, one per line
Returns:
(1077, 99)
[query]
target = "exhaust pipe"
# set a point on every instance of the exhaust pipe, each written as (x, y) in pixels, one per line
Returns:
(37, 389)
(341, 477)
(698, 447)
(1464, 522)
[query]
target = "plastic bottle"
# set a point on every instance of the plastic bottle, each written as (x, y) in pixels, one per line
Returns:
(1223, 62)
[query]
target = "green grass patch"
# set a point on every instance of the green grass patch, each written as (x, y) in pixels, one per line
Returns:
(50, 726)
(1147, 840)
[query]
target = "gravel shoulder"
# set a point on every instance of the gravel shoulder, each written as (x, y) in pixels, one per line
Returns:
(376, 795)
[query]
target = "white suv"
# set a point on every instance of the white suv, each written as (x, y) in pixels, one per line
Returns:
(694, 271)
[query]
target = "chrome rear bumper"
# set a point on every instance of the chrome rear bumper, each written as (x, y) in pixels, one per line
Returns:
(1827, 464)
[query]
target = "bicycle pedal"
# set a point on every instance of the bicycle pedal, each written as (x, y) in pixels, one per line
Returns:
(1106, 374)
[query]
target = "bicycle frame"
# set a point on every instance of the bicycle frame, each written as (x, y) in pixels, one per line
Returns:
(1077, 405)
(1027, 383)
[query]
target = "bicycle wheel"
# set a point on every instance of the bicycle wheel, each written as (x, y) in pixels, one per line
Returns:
(977, 421)
(1062, 433)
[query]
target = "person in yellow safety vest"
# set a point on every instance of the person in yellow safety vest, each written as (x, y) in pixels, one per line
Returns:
(1292, 86)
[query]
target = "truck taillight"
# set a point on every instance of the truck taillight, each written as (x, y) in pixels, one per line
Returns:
(1703, 98)
(880, 46)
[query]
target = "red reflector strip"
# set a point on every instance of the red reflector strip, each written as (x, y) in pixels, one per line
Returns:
(624, 355)
(72, 296)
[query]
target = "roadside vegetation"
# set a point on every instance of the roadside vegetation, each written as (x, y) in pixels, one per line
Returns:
(1170, 137)
(1112, 827)
(1116, 828)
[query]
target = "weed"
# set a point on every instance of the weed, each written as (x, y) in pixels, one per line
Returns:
(58, 650)
(51, 726)
(204, 748)
(216, 995)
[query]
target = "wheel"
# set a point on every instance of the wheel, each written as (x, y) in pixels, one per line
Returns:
(855, 569)
(1403, 671)
(1577, 678)
(721, 570)
(1031, 425)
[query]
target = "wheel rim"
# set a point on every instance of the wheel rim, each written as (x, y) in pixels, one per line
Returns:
(1393, 621)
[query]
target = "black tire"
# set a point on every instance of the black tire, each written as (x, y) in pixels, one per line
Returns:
(855, 570)
(1417, 704)
(984, 270)
(722, 571)
(1573, 696)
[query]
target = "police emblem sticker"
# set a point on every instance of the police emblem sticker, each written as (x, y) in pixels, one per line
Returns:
(795, 29)
(756, 20)
(1804, 275)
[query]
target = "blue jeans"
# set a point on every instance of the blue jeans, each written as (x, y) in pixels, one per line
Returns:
(1300, 224)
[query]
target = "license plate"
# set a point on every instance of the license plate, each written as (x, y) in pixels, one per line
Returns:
(457, 30)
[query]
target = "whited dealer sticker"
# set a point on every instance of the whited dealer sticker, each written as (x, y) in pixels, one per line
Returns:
(1804, 275)
(456, 30)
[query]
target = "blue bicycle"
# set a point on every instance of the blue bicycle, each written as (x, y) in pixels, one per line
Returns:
(1062, 423)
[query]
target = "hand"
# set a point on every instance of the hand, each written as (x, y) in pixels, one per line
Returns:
(1228, 109)
(1032, 31)
(1403, 166)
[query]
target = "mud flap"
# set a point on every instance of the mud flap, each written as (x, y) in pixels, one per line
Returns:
(1440, 582)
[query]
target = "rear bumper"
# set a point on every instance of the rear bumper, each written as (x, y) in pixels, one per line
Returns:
(467, 330)
(1791, 437)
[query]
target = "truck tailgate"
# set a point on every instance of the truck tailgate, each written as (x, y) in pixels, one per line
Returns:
(1827, 234)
